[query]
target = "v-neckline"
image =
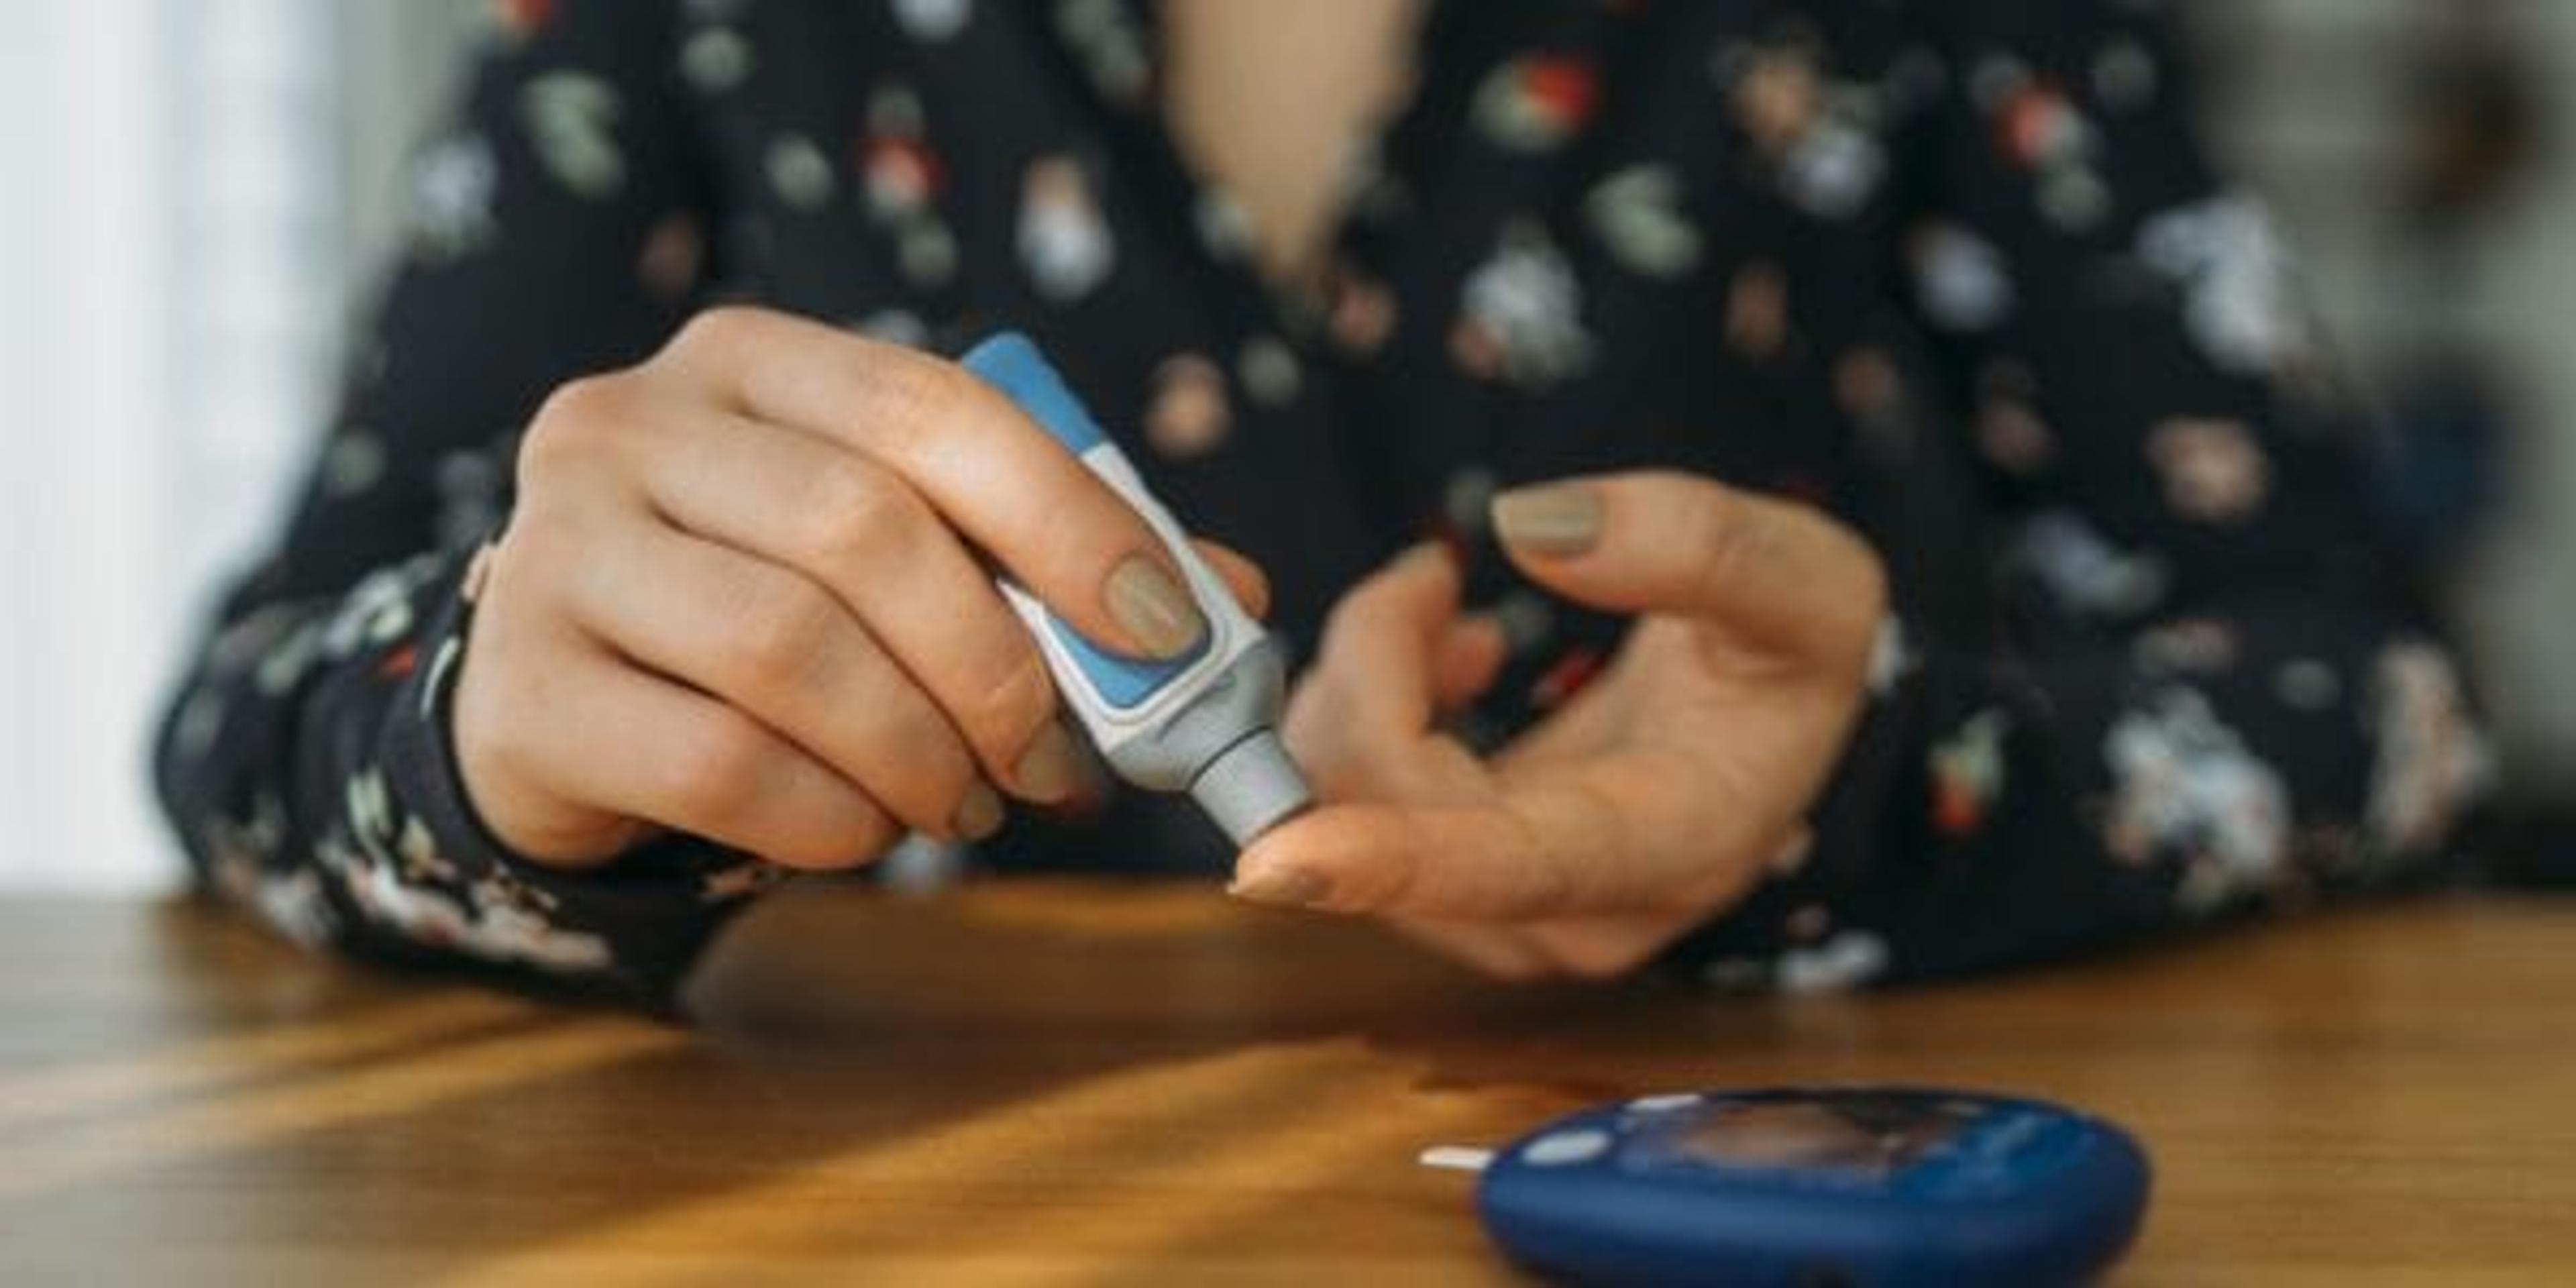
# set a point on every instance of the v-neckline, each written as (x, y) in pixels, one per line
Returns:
(1147, 131)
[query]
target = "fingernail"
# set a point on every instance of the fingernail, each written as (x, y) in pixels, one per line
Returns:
(1280, 887)
(1153, 608)
(1050, 768)
(1550, 518)
(979, 813)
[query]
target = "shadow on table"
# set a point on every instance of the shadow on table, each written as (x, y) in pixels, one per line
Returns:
(1135, 1070)
(234, 1095)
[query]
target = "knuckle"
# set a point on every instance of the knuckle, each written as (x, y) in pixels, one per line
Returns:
(573, 425)
(868, 837)
(913, 400)
(1849, 581)
(857, 513)
(713, 778)
(714, 328)
(585, 402)
(1729, 534)
(776, 636)
(851, 845)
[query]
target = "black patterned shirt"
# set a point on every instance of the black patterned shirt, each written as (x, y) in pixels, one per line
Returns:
(1953, 269)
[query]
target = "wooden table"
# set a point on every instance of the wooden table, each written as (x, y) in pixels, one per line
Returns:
(1082, 1084)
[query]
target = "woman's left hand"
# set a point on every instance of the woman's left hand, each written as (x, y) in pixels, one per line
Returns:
(1652, 799)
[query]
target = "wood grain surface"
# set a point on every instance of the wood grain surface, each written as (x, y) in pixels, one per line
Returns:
(1053, 1082)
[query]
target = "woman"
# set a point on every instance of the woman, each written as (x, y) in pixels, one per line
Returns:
(1812, 491)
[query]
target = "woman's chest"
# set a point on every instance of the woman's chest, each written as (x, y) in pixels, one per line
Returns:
(1590, 238)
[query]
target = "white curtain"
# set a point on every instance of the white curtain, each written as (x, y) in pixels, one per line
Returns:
(188, 189)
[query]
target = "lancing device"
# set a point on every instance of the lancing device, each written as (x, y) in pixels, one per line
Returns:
(1207, 721)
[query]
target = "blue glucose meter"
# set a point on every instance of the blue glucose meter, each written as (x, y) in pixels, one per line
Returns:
(1815, 1188)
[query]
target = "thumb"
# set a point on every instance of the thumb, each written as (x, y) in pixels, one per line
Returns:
(1776, 572)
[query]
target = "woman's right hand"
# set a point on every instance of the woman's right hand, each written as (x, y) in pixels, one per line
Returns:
(741, 597)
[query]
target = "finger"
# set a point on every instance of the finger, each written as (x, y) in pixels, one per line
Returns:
(1502, 952)
(1534, 856)
(646, 748)
(1605, 947)
(1380, 644)
(1779, 572)
(1467, 660)
(1361, 721)
(1565, 847)
(801, 501)
(979, 460)
(1251, 586)
(770, 642)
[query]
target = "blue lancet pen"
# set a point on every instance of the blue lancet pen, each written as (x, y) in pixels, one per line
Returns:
(1205, 723)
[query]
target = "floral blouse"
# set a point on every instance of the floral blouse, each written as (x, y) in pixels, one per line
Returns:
(1953, 269)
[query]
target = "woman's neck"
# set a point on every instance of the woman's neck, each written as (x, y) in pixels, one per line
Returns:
(1270, 100)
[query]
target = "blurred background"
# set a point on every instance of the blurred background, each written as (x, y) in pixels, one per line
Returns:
(197, 190)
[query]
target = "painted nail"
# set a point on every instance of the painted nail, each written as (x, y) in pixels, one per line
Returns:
(1050, 768)
(1153, 608)
(1550, 518)
(979, 813)
(1282, 887)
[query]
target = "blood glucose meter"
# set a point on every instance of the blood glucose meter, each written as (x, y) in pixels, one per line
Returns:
(1815, 1188)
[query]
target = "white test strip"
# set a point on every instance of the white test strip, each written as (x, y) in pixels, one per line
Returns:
(1456, 1158)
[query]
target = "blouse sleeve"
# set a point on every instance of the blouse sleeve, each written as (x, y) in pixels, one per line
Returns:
(2200, 691)
(554, 229)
